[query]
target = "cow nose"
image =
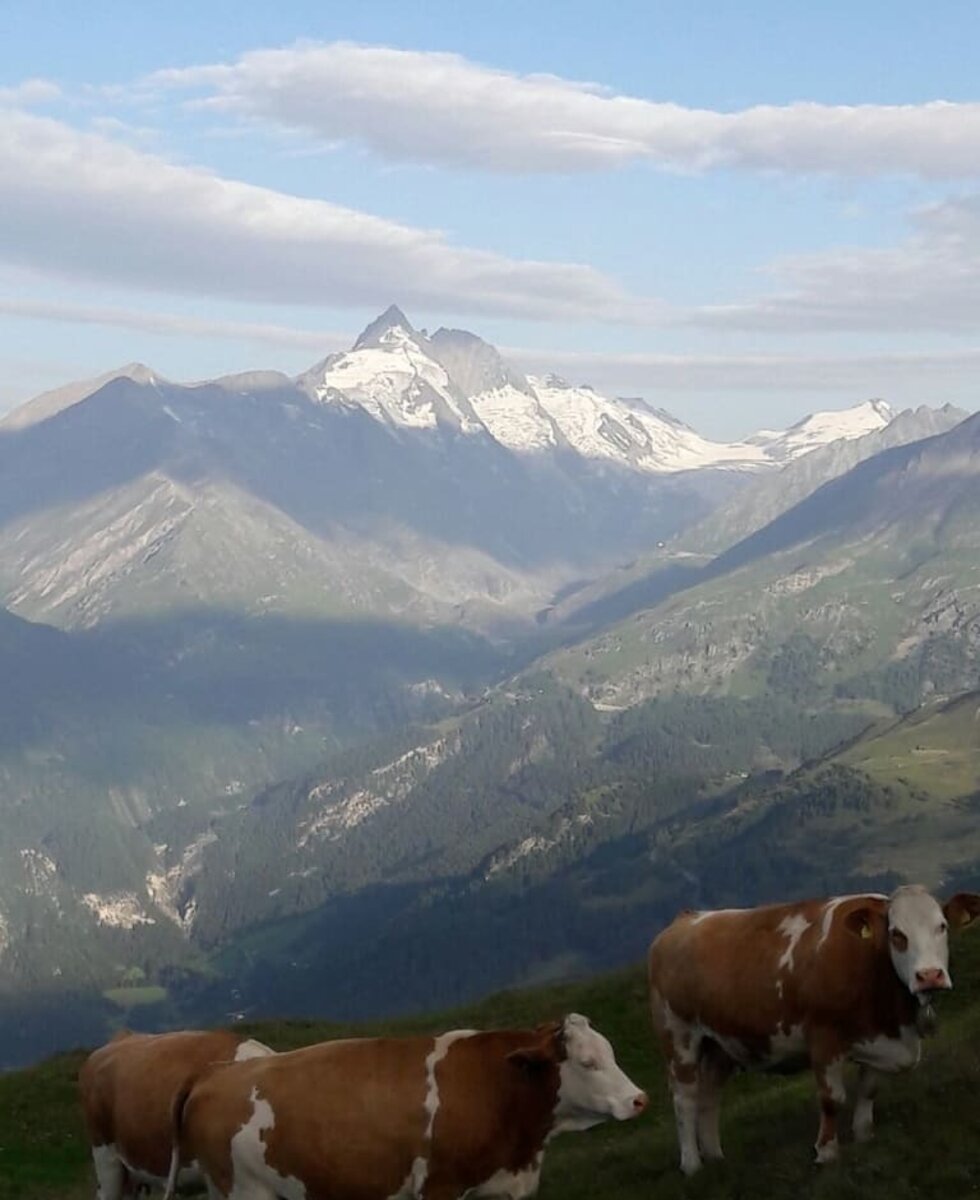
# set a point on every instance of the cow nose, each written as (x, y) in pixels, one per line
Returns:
(931, 978)
(640, 1101)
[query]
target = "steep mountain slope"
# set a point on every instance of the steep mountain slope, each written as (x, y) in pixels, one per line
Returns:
(870, 586)
(657, 573)
(764, 499)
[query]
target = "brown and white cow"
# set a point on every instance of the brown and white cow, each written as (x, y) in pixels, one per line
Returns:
(427, 1118)
(816, 983)
(127, 1090)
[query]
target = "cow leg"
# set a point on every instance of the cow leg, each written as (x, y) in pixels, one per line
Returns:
(684, 1091)
(681, 1050)
(110, 1173)
(864, 1105)
(714, 1070)
(830, 1086)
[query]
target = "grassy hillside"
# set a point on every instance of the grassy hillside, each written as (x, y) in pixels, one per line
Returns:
(927, 1142)
(936, 749)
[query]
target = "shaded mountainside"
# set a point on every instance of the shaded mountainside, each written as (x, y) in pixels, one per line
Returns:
(105, 733)
(767, 1122)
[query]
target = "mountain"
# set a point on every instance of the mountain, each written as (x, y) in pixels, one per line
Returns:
(867, 587)
(282, 681)
(404, 378)
(410, 478)
(657, 573)
(764, 499)
(820, 428)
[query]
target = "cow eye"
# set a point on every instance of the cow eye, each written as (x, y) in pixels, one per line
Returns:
(942, 928)
(899, 941)
(590, 1064)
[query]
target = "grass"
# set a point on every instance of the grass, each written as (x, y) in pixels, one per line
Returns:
(136, 997)
(928, 1141)
(936, 749)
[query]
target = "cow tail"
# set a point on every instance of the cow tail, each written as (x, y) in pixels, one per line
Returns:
(176, 1132)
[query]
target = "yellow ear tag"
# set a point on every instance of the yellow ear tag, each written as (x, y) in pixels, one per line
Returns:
(866, 932)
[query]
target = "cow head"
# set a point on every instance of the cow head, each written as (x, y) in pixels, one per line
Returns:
(592, 1087)
(916, 928)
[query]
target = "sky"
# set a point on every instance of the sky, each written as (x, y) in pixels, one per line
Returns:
(742, 212)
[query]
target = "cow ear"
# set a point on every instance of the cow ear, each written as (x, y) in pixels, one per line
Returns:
(863, 923)
(539, 1054)
(961, 909)
(531, 1058)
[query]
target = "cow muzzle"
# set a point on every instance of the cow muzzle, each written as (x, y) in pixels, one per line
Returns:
(931, 979)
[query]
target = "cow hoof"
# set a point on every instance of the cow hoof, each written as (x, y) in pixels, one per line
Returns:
(827, 1153)
(690, 1166)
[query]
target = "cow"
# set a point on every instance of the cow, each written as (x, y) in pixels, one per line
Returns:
(127, 1091)
(413, 1118)
(786, 986)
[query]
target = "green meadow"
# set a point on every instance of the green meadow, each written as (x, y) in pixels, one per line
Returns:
(927, 1144)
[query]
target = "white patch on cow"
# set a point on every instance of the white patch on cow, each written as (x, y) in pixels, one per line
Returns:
(252, 1175)
(916, 917)
(685, 1037)
(834, 1077)
(593, 1086)
(832, 906)
(251, 1048)
(888, 1053)
(438, 1052)
(828, 1152)
(787, 1044)
(793, 928)
(109, 1171)
(414, 1181)
(510, 1185)
(715, 912)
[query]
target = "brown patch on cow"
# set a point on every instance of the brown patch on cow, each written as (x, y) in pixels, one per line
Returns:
(350, 1118)
(127, 1089)
(962, 909)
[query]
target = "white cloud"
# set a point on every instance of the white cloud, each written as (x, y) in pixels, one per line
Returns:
(175, 324)
(441, 108)
(83, 206)
(931, 282)
(912, 377)
(31, 91)
(908, 377)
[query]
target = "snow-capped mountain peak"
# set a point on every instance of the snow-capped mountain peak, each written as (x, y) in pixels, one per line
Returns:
(822, 428)
(390, 326)
(455, 380)
(391, 374)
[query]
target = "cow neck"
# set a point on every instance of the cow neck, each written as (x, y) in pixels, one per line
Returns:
(527, 1105)
(895, 1007)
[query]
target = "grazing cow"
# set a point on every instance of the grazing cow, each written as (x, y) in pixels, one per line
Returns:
(426, 1118)
(791, 985)
(128, 1088)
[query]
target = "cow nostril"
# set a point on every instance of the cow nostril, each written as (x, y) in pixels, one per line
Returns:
(640, 1101)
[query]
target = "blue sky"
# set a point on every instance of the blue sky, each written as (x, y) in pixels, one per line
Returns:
(740, 211)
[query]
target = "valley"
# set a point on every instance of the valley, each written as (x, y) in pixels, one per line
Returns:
(316, 676)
